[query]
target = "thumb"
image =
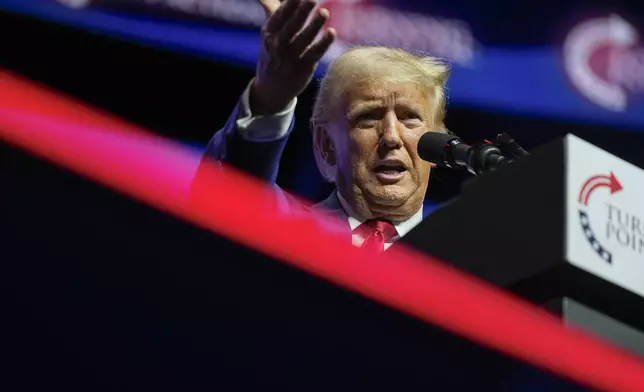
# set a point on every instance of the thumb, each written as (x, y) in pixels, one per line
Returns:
(270, 6)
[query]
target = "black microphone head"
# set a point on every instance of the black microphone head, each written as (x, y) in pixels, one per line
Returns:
(432, 146)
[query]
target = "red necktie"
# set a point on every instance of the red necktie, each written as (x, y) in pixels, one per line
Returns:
(376, 233)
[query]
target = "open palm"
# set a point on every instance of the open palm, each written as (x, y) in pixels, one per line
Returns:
(289, 54)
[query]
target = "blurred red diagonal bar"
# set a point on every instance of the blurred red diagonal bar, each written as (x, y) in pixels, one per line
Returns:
(160, 172)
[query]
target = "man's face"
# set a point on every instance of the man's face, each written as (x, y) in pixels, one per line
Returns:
(379, 170)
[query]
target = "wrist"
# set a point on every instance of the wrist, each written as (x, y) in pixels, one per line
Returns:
(263, 100)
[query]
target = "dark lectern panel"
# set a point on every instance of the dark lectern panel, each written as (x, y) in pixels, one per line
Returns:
(103, 293)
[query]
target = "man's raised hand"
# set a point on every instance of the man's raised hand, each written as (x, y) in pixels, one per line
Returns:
(289, 54)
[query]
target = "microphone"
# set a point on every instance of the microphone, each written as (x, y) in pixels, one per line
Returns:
(509, 147)
(449, 151)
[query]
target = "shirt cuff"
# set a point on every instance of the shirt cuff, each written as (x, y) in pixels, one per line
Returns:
(263, 128)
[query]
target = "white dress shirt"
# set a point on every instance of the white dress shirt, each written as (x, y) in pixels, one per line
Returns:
(356, 220)
(263, 128)
(273, 127)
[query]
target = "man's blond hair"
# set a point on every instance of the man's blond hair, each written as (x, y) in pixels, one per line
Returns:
(378, 65)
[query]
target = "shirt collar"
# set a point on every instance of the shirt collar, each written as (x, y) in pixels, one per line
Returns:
(356, 220)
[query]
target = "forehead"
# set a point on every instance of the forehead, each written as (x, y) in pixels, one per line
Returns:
(388, 94)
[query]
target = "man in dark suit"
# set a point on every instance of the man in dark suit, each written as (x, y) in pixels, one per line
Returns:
(372, 107)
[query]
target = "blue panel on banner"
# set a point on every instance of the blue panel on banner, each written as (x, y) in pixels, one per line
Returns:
(576, 78)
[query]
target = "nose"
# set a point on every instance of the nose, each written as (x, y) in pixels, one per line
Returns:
(391, 131)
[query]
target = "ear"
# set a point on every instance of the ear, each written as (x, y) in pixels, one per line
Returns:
(324, 152)
(325, 144)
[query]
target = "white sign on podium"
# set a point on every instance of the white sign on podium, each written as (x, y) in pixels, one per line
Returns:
(605, 215)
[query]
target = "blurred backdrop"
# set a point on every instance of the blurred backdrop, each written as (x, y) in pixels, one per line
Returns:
(534, 69)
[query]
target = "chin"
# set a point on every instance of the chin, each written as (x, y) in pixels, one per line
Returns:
(391, 194)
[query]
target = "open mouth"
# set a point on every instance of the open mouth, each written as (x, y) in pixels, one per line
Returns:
(388, 172)
(390, 169)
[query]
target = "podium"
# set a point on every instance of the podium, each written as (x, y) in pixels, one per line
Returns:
(563, 228)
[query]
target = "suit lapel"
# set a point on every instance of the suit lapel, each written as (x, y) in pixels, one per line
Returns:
(331, 207)
(331, 204)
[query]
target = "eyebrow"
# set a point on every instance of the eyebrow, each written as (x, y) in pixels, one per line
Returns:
(363, 108)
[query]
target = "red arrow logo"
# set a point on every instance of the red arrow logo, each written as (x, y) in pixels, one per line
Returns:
(597, 182)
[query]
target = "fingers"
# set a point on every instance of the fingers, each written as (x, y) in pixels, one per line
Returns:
(281, 16)
(296, 39)
(270, 6)
(297, 21)
(306, 37)
(316, 51)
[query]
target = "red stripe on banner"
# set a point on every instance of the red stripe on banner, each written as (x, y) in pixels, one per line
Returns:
(160, 173)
